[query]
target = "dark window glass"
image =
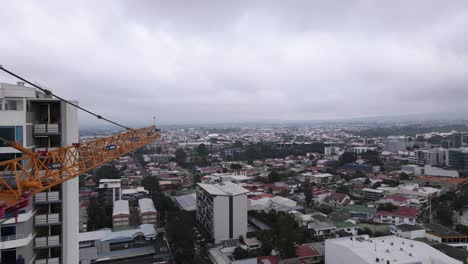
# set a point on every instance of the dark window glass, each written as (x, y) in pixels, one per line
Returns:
(7, 133)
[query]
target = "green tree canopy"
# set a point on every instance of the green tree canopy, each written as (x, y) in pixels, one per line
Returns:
(180, 156)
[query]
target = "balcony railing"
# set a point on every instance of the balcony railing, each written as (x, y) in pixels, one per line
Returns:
(47, 219)
(13, 237)
(44, 129)
(47, 261)
(45, 197)
(44, 242)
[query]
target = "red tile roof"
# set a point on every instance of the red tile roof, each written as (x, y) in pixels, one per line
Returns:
(337, 196)
(268, 259)
(396, 198)
(402, 211)
(306, 252)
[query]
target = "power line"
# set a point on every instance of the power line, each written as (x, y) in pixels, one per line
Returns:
(48, 92)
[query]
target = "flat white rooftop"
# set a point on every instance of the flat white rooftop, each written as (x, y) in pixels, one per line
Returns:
(224, 188)
(121, 207)
(392, 249)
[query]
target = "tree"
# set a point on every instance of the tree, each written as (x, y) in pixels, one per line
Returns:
(107, 172)
(180, 235)
(201, 155)
(240, 253)
(98, 216)
(238, 144)
(404, 177)
(367, 181)
(274, 177)
(151, 184)
(342, 189)
(180, 156)
(308, 194)
(235, 166)
(388, 207)
(348, 157)
(444, 215)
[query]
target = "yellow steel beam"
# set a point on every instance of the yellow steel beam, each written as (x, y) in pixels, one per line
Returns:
(32, 174)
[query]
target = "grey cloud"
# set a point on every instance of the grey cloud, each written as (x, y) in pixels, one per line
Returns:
(214, 61)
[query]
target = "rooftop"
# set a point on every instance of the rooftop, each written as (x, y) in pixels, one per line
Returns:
(224, 188)
(121, 207)
(146, 206)
(391, 248)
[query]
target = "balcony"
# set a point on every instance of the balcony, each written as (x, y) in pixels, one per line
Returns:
(47, 219)
(47, 197)
(47, 261)
(13, 237)
(46, 129)
(47, 242)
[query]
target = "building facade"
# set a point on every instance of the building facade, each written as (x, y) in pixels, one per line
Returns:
(46, 230)
(222, 210)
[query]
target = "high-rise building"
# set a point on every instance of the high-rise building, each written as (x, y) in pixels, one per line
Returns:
(46, 231)
(222, 210)
(458, 159)
(433, 157)
(110, 190)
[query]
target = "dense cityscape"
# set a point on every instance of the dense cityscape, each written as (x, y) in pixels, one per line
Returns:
(286, 194)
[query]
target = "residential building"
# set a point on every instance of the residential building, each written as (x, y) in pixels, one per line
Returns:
(372, 194)
(387, 249)
(46, 230)
(330, 151)
(110, 190)
(321, 178)
(458, 159)
(148, 213)
(433, 157)
(402, 215)
(109, 246)
(338, 200)
(443, 234)
(307, 253)
(222, 210)
(120, 214)
(322, 229)
(134, 193)
(408, 231)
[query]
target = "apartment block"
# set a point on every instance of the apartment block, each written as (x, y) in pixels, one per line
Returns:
(148, 213)
(110, 190)
(47, 230)
(120, 214)
(222, 210)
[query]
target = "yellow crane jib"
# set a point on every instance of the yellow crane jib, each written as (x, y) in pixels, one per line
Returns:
(33, 172)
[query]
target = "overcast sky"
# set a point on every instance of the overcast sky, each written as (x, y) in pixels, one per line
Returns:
(221, 61)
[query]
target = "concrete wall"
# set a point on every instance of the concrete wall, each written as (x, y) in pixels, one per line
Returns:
(70, 194)
(220, 218)
(240, 216)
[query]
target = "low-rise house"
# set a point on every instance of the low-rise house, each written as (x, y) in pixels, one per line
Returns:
(359, 211)
(408, 231)
(443, 234)
(320, 178)
(307, 254)
(346, 227)
(106, 245)
(338, 200)
(403, 215)
(322, 229)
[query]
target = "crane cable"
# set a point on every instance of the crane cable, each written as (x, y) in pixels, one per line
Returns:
(48, 92)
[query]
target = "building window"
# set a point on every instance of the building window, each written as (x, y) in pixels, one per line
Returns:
(14, 104)
(7, 133)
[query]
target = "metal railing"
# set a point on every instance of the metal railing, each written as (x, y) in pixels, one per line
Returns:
(47, 197)
(50, 241)
(45, 219)
(46, 128)
(13, 237)
(47, 261)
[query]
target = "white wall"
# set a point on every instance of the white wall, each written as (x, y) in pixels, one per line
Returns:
(70, 193)
(220, 218)
(240, 216)
(336, 254)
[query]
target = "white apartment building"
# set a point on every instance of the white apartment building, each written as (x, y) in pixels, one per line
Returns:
(46, 230)
(110, 190)
(383, 250)
(222, 210)
(433, 157)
